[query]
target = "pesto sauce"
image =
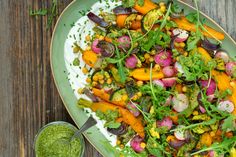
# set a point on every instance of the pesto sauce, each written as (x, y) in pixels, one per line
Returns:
(54, 141)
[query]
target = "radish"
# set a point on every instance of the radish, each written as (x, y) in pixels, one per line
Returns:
(231, 69)
(168, 101)
(211, 88)
(180, 102)
(166, 122)
(131, 62)
(180, 133)
(183, 35)
(169, 82)
(222, 55)
(133, 109)
(168, 71)
(94, 46)
(164, 58)
(158, 83)
(179, 67)
(124, 42)
(135, 143)
(226, 105)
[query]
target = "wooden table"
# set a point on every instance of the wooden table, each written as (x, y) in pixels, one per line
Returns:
(28, 96)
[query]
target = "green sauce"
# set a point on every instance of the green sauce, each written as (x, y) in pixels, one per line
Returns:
(54, 141)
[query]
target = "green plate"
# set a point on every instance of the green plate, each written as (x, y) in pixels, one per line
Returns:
(69, 16)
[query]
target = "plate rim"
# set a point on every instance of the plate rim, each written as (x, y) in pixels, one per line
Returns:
(51, 52)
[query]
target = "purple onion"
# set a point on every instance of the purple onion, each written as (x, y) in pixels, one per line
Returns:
(131, 62)
(202, 109)
(120, 10)
(97, 20)
(210, 46)
(133, 109)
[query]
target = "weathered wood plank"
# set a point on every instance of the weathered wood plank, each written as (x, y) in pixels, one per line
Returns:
(28, 97)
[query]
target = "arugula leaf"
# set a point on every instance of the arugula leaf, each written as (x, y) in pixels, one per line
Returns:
(112, 124)
(140, 2)
(128, 3)
(193, 40)
(110, 117)
(131, 3)
(155, 36)
(192, 17)
(220, 148)
(229, 123)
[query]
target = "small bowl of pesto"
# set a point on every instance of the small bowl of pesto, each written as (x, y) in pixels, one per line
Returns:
(55, 140)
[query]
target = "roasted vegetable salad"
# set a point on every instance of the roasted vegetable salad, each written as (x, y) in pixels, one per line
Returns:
(161, 81)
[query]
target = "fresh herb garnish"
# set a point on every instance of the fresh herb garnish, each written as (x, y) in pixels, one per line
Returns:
(51, 12)
(41, 12)
(110, 118)
(131, 3)
(220, 148)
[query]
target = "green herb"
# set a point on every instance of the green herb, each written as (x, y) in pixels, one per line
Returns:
(229, 123)
(220, 148)
(41, 12)
(194, 67)
(76, 62)
(129, 152)
(128, 3)
(110, 117)
(131, 3)
(204, 123)
(155, 37)
(52, 13)
(195, 18)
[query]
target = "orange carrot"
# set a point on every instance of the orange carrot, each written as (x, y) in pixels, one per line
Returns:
(90, 58)
(125, 114)
(178, 87)
(106, 97)
(120, 20)
(148, 5)
(205, 55)
(183, 23)
(143, 74)
(223, 84)
(136, 24)
(107, 39)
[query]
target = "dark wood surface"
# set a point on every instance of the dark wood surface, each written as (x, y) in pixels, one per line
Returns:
(28, 96)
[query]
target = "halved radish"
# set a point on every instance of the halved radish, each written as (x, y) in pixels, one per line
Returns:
(94, 46)
(183, 35)
(226, 105)
(168, 71)
(169, 82)
(180, 133)
(158, 83)
(179, 67)
(222, 55)
(180, 102)
(166, 122)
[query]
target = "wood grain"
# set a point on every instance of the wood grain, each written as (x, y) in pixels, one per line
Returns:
(28, 96)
